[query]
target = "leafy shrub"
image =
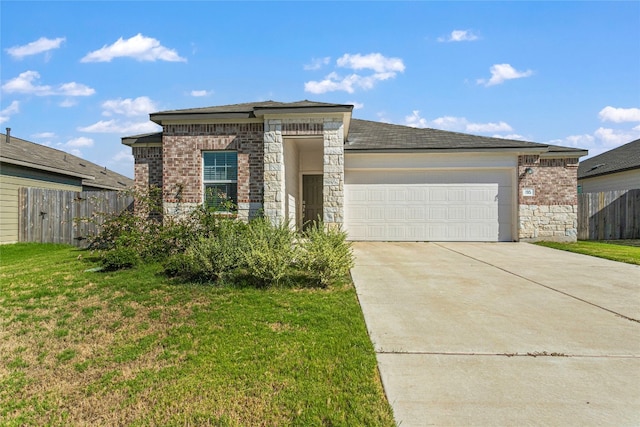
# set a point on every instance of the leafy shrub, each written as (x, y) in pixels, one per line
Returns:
(326, 255)
(269, 252)
(119, 258)
(213, 257)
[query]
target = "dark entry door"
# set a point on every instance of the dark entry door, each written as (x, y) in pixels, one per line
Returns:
(311, 199)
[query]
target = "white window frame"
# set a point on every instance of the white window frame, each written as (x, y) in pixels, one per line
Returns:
(206, 182)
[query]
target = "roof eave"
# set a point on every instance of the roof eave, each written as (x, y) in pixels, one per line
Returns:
(564, 154)
(159, 118)
(280, 110)
(595, 175)
(529, 150)
(45, 168)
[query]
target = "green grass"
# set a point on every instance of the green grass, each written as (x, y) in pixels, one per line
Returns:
(134, 348)
(622, 251)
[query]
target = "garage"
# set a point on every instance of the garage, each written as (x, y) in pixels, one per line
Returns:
(430, 205)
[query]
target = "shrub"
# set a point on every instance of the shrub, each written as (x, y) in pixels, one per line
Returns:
(269, 251)
(326, 255)
(213, 257)
(119, 258)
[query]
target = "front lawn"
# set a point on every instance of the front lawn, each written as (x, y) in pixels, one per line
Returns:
(623, 251)
(135, 348)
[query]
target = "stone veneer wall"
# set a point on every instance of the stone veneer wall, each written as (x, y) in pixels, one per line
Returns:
(332, 132)
(333, 174)
(551, 213)
(182, 147)
(274, 191)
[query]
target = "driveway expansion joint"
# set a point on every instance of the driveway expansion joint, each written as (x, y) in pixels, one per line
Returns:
(540, 284)
(533, 354)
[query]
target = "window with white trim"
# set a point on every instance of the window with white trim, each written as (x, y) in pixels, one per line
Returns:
(220, 178)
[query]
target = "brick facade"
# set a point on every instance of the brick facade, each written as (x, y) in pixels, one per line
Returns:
(147, 167)
(550, 213)
(182, 147)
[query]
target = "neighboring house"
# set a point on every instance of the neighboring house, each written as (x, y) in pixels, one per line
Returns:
(26, 164)
(295, 162)
(617, 169)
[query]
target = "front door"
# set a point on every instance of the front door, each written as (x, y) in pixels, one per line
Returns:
(311, 199)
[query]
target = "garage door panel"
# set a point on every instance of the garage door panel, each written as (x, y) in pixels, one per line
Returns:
(395, 213)
(375, 213)
(478, 210)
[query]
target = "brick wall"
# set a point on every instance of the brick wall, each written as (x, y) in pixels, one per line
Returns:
(183, 145)
(551, 212)
(554, 180)
(147, 167)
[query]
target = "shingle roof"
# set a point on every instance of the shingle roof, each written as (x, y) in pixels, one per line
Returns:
(36, 156)
(363, 135)
(248, 109)
(625, 157)
(370, 136)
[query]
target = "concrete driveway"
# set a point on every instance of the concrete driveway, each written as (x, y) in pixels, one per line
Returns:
(502, 334)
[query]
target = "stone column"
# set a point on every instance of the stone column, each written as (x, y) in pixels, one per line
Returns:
(333, 173)
(274, 203)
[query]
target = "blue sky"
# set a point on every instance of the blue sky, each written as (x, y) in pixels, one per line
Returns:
(78, 76)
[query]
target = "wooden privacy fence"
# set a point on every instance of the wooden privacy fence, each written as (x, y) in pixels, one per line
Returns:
(610, 215)
(71, 217)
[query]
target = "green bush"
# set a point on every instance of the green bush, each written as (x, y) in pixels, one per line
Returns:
(326, 255)
(269, 252)
(214, 257)
(119, 258)
(212, 246)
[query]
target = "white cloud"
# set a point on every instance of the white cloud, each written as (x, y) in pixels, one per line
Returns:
(199, 93)
(43, 135)
(373, 61)
(459, 36)
(503, 72)
(27, 82)
(511, 136)
(615, 137)
(123, 156)
(384, 69)
(619, 115)
(138, 47)
(80, 142)
(333, 82)
(114, 126)
(457, 124)
(356, 105)
(43, 44)
(68, 102)
(129, 107)
(489, 127)
(317, 63)
(12, 109)
(24, 83)
(450, 123)
(414, 120)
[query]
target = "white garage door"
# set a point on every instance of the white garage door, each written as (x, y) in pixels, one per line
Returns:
(429, 206)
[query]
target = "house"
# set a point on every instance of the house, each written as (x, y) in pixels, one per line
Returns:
(26, 164)
(617, 169)
(298, 161)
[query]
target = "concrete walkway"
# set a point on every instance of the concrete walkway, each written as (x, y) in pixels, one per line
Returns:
(502, 334)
